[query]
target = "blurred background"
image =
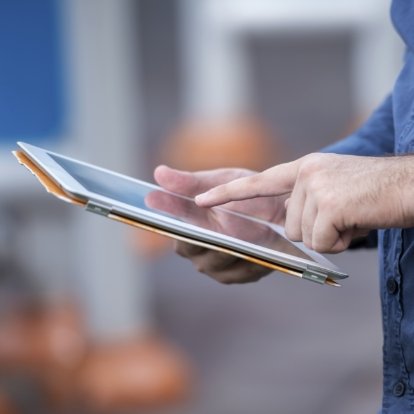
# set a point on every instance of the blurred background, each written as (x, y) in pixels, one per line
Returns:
(97, 317)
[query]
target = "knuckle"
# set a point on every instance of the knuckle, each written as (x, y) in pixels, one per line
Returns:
(310, 165)
(316, 185)
(328, 203)
(253, 180)
(313, 164)
(319, 243)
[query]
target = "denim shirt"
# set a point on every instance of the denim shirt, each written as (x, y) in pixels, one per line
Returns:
(390, 130)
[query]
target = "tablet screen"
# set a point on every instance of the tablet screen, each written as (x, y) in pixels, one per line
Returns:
(153, 199)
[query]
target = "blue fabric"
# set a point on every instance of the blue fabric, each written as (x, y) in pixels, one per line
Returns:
(32, 106)
(390, 130)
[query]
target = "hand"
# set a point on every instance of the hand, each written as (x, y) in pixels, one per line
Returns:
(331, 198)
(222, 267)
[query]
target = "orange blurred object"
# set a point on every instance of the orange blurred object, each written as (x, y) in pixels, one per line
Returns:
(49, 346)
(215, 144)
(5, 405)
(47, 343)
(36, 338)
(141, 372)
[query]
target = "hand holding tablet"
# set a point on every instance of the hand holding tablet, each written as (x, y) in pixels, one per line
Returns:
(232, 230)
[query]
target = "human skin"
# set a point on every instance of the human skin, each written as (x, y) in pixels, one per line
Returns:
(324, 200)
(331, 198)
(220, 266)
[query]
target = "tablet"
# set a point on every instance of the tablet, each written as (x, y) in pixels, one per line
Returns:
(151, 207)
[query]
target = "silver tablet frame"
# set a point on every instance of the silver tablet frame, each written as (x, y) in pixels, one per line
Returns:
(104, 205)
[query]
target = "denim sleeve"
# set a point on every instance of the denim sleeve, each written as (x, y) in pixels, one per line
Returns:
(374, 138)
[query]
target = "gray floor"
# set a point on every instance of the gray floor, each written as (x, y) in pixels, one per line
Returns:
(279, 346)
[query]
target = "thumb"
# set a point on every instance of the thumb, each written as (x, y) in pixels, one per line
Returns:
(193, 183)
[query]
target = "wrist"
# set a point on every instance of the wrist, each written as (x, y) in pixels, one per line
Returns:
(401, 183)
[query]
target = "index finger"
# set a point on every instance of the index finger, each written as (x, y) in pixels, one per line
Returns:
(192, 183)
(275, 181)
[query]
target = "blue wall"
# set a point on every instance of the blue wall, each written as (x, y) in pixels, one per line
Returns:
(31, 71)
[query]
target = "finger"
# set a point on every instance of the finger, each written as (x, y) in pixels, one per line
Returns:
(287, 201)
(177, 181)
(187, 211)
(188, 250)
(240, 271)
(294, 213)
(192, 183)
(272, 182)
(169, 203)
(308, 221)
(211, 261)
(343, 242)
(326, 238)
(177, 206)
